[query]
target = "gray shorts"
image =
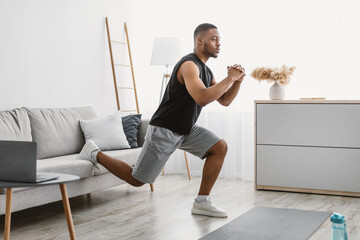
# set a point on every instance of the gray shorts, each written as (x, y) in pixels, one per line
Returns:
(160, 143)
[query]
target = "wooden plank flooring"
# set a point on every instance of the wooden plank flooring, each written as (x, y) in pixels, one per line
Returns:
(125, 212)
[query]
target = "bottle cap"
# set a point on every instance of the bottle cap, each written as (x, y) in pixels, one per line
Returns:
(337, 218)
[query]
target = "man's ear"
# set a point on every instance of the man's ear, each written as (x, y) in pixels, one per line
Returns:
(199, 40)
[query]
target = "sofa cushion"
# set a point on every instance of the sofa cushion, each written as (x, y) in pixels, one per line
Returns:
(131, 125)
(15, 125)
(57, 130)
(128, 155)
(66, 164)
(107, 133)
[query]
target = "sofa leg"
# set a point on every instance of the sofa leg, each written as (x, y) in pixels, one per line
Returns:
(152, 187)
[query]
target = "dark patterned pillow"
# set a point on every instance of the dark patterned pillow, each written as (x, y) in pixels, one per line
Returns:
(131, 125)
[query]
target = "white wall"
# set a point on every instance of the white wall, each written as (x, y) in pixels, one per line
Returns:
(54, 53)
(318, 37)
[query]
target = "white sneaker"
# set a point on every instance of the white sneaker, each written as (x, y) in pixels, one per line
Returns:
(207, 208)
(87, 150)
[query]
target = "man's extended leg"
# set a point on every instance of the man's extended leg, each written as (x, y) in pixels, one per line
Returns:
(213, 164)
(159, 144)
(119, 168)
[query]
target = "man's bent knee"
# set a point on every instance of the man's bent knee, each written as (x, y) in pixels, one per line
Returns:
(138, 184)
(220, 148)
(223, 146)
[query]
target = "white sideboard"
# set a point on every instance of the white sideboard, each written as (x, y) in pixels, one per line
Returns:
(308, 146)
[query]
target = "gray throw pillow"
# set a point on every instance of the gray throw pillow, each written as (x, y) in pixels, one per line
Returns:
(107, 132)
(57, 130)
(15, 125)
(131, 125)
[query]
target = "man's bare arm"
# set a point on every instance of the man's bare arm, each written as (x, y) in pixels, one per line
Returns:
(227, 98)
(189, 74)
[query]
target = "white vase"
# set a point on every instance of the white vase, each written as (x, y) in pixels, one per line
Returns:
(277, 91)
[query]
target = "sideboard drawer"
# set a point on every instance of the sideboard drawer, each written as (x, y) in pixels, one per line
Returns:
(328, 125)
(332, 169)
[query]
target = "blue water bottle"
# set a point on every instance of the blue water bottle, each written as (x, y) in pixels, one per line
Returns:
(338, 227)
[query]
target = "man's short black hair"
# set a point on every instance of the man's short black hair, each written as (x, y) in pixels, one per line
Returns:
(202, 28)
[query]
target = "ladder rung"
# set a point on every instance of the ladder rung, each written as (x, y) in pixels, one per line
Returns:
(123, 65)
(128, 110)
(125, 88)
(124, 43)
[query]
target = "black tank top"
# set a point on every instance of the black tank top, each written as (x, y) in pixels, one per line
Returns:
(178, 111)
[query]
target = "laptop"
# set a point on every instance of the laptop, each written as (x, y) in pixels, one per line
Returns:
(18, 163)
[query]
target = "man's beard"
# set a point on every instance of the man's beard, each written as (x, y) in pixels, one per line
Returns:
(209, 53)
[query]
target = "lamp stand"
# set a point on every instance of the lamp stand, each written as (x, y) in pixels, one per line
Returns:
(165, 80)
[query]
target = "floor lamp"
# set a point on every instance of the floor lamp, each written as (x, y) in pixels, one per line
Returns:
(166, 52)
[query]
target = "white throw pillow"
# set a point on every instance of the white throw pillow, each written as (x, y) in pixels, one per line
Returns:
(107, 132)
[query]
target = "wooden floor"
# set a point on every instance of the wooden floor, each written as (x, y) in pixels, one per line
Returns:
(125, 212)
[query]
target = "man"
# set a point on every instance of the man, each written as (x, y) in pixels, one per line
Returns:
(191, 87)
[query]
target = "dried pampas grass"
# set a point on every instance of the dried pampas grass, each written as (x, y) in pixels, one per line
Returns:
(280, 75)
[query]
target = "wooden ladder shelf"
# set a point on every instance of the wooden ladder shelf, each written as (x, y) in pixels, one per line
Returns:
(131, 66)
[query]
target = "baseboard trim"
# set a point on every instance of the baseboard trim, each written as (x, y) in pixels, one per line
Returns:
(308, 190)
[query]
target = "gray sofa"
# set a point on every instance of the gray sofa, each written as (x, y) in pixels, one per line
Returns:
(59, 140)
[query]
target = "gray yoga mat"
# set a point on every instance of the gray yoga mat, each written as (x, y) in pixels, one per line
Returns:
(264, 223)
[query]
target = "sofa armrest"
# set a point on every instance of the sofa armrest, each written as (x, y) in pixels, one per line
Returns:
(142, 131)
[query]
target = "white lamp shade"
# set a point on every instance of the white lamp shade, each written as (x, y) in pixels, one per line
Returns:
(166, 51)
